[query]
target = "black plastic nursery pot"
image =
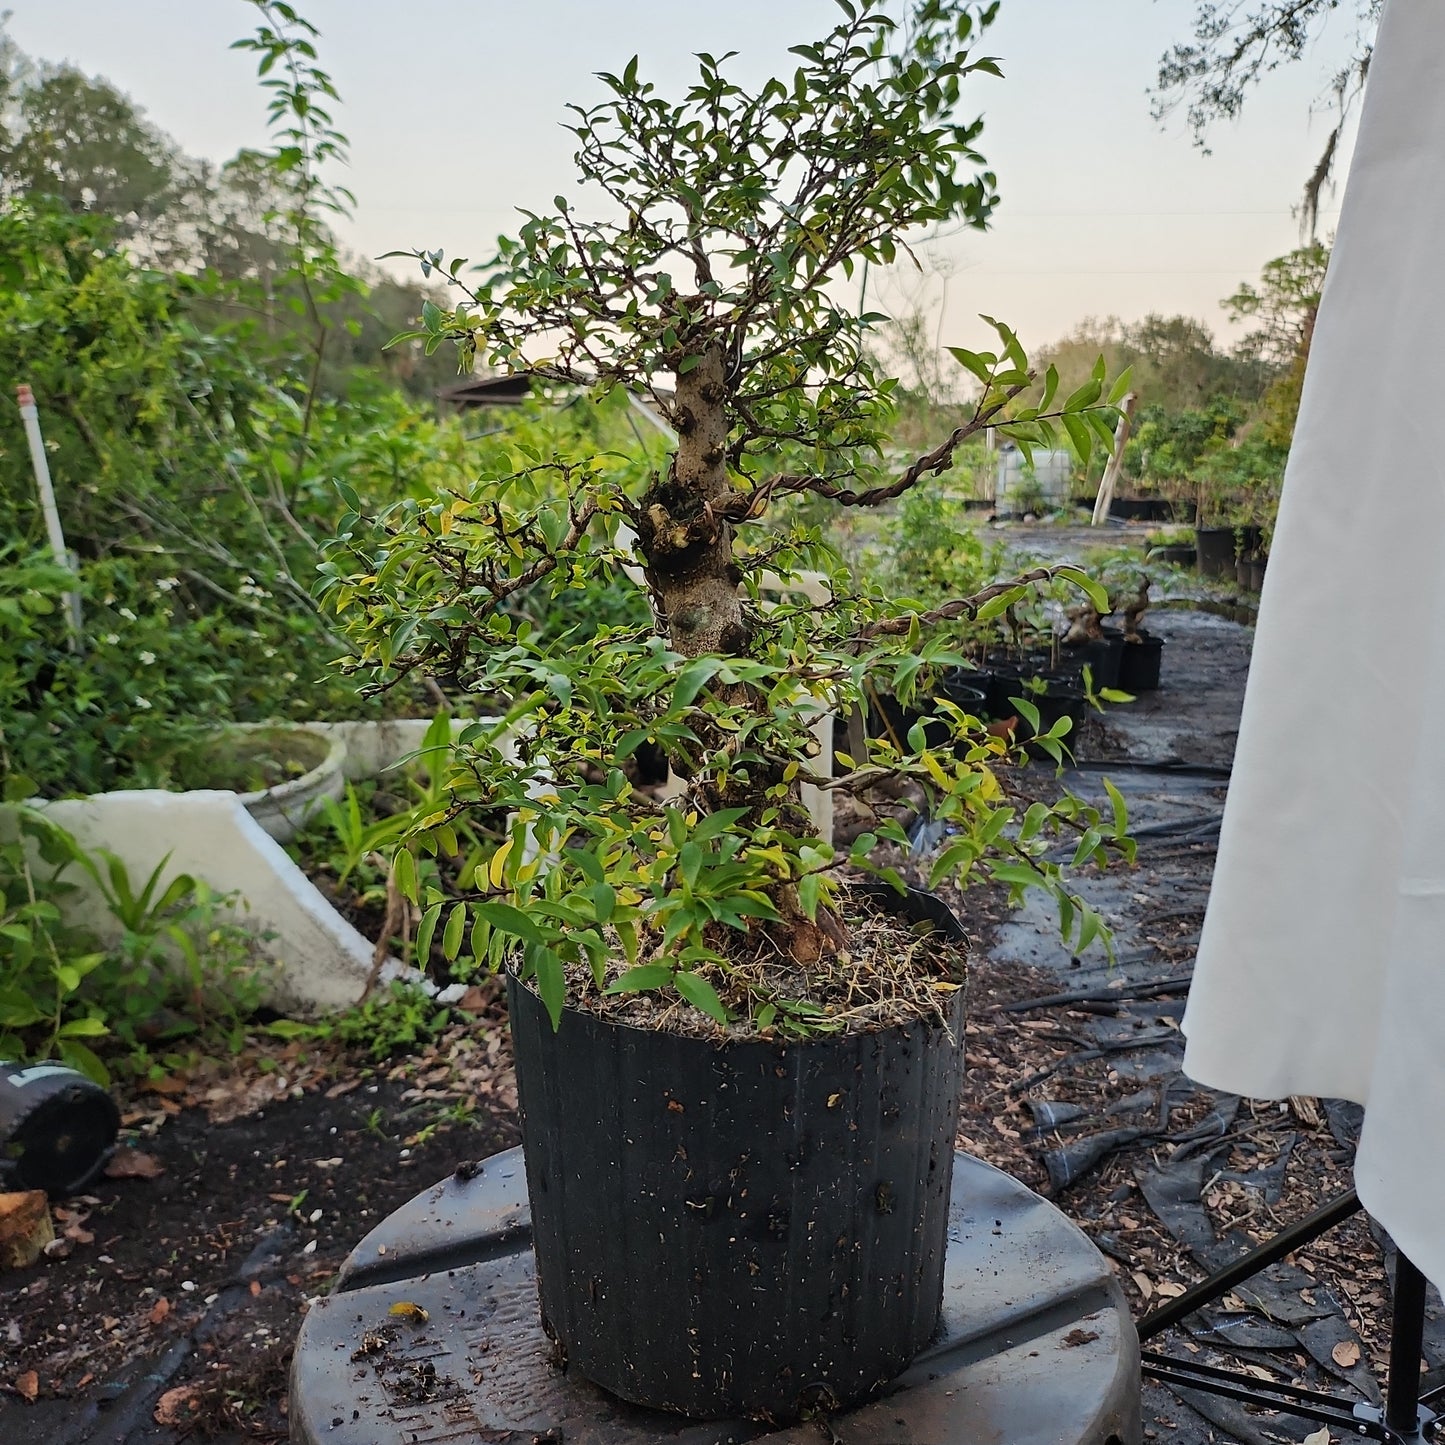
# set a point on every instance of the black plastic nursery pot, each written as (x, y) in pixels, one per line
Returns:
(889, 718)
(1142, 509)
(752, 1228)
(1142, 661)
(1215, 549)
(1102, 657)
(56, 1128)
(1179, 556)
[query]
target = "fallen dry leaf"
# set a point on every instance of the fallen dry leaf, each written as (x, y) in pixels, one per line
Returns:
(1144, 1284)
(1320, 1437)
(413, 1312)
(1078, 1337)
(1345, 1354)
(178, 1406)
(159, 1310)
(132, 1164)
(29, 1385)
(1169, 1290)
(255, 1288)
(79, 1234)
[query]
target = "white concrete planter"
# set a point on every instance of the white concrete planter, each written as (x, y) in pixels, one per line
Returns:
(321, 961)
(283, 810)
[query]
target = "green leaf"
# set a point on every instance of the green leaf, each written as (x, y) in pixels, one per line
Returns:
(79, 1057)
(997, 606)
(551, 983)
(701, 995)
(1096, 592)
(1080, 434)
(424, 932)
(978, 363)
(403, 867)
(452, 933)
(808, 891)
(644, 976)
(507, 919)
(1120, 807)
(1121, 387)
(1027, 711)
(83, 1029)
(693, 678)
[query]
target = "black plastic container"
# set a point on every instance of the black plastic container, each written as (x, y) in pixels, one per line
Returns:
(1175, 556)
(1101, 656)
(1215, 549)
(1141, 665)
(751, 1228)
(967, 689)
(889, 718)
(1141, 509)
(56, 1128)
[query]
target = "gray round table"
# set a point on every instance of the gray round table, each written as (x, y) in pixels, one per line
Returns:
(1036, 1347)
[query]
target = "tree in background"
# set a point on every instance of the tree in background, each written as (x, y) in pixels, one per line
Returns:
(1236, 44)
(240, 229)
(1284, 306)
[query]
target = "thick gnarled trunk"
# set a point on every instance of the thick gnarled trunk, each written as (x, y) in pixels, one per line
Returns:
(690, 568)
(689, 553)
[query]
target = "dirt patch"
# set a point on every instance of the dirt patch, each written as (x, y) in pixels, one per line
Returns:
(197, 1277)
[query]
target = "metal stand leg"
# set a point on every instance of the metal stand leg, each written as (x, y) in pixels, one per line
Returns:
(1407, 1338)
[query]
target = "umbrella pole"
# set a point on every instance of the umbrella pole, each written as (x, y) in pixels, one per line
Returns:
(1406, 1418)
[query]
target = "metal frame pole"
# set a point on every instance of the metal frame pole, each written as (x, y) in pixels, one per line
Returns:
(1407, 1340)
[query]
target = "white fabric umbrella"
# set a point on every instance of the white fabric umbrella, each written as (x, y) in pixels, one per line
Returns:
(1321, 967)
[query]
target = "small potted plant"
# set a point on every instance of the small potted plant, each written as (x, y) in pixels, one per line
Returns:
(739, 1050)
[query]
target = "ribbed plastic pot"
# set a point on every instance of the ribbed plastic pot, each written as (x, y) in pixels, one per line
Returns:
(56, 1128)
(750, 1228)
(1141, 665)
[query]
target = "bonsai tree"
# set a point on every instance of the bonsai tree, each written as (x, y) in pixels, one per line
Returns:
(714, 289)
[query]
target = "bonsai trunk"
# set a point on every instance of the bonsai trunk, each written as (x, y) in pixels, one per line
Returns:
(688, 555)
(688, 552)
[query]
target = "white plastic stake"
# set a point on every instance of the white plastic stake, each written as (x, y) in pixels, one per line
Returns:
(1105, 499)
(30, 414)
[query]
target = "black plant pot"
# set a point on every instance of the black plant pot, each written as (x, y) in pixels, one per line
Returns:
(1175, 556)
(968, 688)
(1140, 667)
(753, 1228)
(1215, 549)
(56, 1128)
(889, 718)
(1141, 509)
(1059, 700)
(1101, 657)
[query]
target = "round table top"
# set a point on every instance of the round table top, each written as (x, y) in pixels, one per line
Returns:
(1036, 1346)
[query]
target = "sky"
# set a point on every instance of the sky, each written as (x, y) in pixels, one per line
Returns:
(454, 111)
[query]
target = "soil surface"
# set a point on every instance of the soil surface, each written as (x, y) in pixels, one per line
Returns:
(171, 1309)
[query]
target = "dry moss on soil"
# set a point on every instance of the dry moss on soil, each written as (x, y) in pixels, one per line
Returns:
(893, 973)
